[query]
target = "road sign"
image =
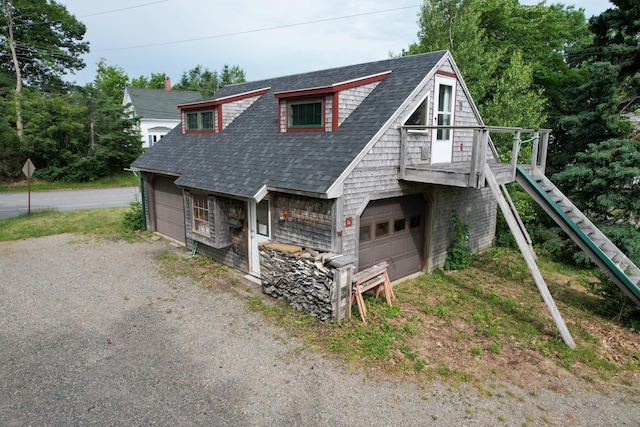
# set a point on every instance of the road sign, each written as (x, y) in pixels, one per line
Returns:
(28, 168)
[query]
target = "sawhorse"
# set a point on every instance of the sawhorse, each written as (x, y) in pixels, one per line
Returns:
(375, 278)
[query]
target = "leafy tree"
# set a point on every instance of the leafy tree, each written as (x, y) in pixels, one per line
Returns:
(112, 81)
(207, 82)
(47, 40)
(44, 42)
(155, 81)
(506, 52)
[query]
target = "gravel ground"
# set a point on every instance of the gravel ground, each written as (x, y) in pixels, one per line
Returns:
(92, 334)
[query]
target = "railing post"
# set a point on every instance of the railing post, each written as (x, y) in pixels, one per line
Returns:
(535, 153)
(544, 146)
(473, 179)
(514, 154)
(403, 152)
(482, 156)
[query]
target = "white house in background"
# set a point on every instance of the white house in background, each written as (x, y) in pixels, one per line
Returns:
(157, 109)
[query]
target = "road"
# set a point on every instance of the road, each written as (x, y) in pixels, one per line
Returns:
(13, 204)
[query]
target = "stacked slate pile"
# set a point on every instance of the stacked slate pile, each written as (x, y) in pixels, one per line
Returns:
(303, 277)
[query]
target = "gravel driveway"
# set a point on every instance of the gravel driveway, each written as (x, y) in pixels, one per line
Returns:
(92, 334)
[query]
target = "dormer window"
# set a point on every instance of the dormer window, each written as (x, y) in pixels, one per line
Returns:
(206, 120)
(192, 121)
(213, 115)
(323, 108)
(202, 120)
(308, 114)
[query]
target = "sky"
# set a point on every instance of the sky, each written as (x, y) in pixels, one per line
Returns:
(265, 38)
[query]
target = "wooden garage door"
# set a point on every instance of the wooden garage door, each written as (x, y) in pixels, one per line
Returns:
(169, 208)
(392, 230)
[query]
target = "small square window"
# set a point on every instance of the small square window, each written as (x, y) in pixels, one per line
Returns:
(415, 221)
(399, 225)
(306, 114)
(192, 121)
(365, 232)
(382, 229)
(206, 120)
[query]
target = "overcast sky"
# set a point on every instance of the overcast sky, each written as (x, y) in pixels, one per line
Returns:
(265, 38)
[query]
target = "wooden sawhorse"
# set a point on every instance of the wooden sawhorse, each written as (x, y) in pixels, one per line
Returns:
(375, 278)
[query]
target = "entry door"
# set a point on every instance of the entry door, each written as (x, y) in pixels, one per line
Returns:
(443, 111)
(260, 229)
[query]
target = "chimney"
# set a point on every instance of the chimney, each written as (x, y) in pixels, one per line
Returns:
(167, 84)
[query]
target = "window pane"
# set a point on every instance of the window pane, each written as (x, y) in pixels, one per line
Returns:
(262, 218)
(200, 214)
(365, 232)
(399, 225)
(415, 221)
(419, 117)
(192, 121)
(308, 114)
(382, 229)
(206, 120)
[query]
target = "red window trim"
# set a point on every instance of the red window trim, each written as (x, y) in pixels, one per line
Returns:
(219, 101)
(332, 90)
(336, 87)
(447, 74)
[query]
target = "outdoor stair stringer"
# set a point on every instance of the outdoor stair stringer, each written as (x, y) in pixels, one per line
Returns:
(528, 253)
(609, 258)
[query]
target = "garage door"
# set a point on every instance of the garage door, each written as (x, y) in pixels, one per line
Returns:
(392, 230)
(168, 208)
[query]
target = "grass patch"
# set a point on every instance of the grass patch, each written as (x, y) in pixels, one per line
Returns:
(201, 268)
(124, 179)
(481, 323)
(49, 222)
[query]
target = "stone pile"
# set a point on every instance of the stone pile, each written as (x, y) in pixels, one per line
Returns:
(303, 277)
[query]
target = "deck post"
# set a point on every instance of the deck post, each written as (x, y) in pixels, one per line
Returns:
(475, 161)
(514, 154)
(535, 150)
(544, 146)
(403, 152)
(482, 156)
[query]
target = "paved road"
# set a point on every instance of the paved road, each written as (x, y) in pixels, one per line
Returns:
(13, 204)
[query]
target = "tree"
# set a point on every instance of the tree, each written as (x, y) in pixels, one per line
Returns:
(155, 81)
(598, 159)
(208, 82)
(44, 42)
(112, 81)
(506, 52)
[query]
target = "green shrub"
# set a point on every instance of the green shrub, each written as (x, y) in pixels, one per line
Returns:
(133, 218)
(459, 253)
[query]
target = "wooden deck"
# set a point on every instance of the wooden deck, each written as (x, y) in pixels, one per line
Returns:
(468, 173)
(458, 174)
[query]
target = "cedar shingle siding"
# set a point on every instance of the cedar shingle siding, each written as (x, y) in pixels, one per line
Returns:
(322, 180)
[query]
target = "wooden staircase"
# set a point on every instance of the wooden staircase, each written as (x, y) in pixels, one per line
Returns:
(522, 239)
(583, 232)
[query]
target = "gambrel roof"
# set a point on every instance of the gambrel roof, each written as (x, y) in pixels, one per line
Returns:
(159, 103)
(251, 153)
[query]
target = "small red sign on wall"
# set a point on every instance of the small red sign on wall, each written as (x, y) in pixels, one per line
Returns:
(348, 222)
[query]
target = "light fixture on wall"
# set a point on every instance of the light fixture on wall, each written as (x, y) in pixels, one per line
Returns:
(284, 214)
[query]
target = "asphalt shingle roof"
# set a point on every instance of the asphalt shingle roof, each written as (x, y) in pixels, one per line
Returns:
(251, 152)
(160, 103)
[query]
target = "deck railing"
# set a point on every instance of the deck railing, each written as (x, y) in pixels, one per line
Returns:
(476, 147)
